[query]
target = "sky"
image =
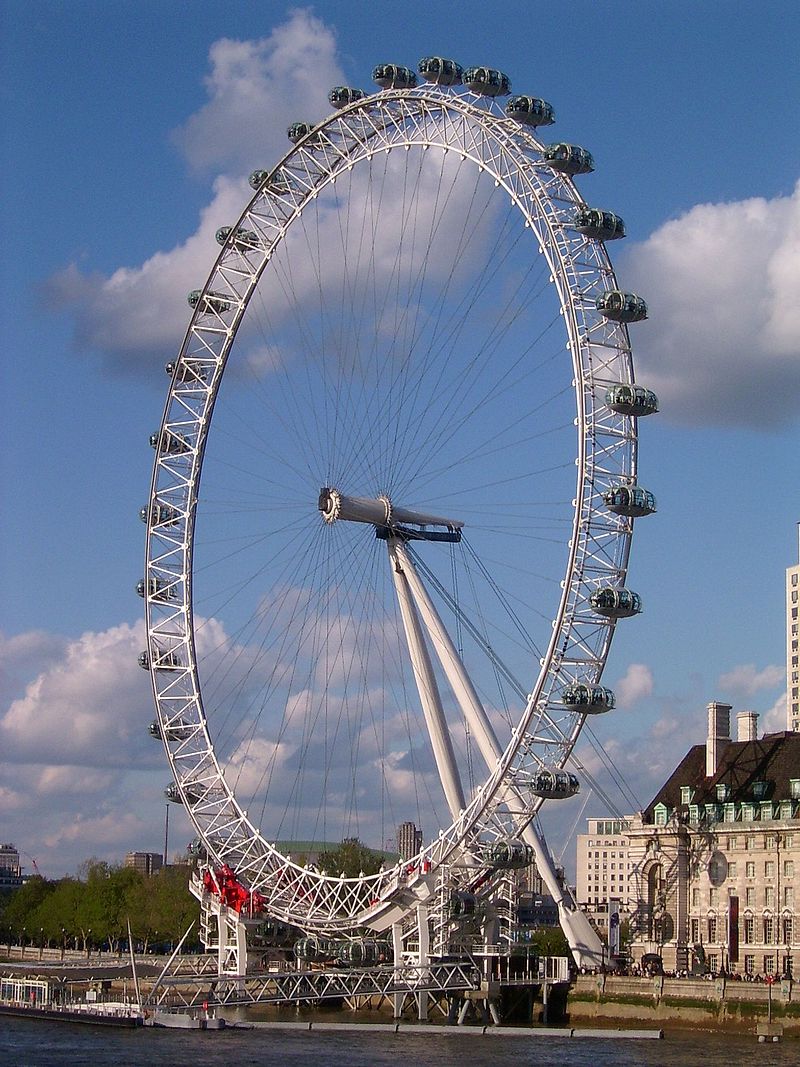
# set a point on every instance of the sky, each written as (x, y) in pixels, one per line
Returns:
(128, 131)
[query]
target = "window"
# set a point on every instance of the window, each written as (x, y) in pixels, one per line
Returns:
(732, 842)
(713, 897)
(750, 840)
(788, 868)
(769, 896)
(750, 869)
(794, 788)
(749, 965)
(750, 896)
(769, 930)
(769, 840)
(696, 900)
(769, 965)
(722, 791)
(695, 931)
(686, 794)
(732, 872)
(713, 962)
(749, 929)
(788, 896)
(769, 869)
(712, 928)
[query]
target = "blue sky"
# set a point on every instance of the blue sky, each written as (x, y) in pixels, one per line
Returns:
(121, 130)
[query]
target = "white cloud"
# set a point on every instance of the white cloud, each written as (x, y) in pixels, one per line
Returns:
(745, 680)
(774, 720)
(636, 684)
(257, 89)
(722, 342)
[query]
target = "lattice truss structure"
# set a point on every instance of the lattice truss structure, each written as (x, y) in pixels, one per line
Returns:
(471, 129)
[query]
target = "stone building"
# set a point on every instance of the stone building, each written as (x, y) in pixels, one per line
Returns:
(715, 856)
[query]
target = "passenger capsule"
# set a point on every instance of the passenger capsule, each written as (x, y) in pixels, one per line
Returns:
(143, 659)
(159, 515)
(462, 905)
(630, 500)
(599, 225)
(211, 302)
(313, 948)
(178, 730)
(614, 603)
(510, 855)
(530, 111)
(171, 443)
(555, 785)
(486, 81)
(173, 794)
(568, 158)
(621, 307)
(440, 71)
(363, 952)
(273, 181)
(187, 370)
(342, 95)
(156, 589)
(632, 400)
(391, 76)
(298, 130)
(241, 239)
(588, 699)
(164, 661)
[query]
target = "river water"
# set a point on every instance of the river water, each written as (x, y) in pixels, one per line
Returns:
(25, 1043)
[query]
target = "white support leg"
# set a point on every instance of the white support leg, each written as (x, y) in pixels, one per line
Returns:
(583, 939)
(429, 695)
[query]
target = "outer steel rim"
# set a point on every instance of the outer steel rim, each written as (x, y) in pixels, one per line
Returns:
(428, 116)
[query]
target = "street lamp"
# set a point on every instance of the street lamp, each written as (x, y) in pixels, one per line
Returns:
(41, 941)
(63, 943)
(22, 956)
(88, 942)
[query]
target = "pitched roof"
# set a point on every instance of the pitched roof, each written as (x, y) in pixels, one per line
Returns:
(774, 759)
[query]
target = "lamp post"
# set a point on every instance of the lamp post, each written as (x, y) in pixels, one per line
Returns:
(22, 955)
(88, 942)
(63, 943)
(41, 942)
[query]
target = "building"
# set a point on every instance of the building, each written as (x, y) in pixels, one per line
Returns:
(603, 865)
(715, 856)
(145, 862)
(10, 870)
(409, 840)
(792, 624)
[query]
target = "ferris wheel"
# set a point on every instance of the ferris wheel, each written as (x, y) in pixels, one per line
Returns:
(392, 500)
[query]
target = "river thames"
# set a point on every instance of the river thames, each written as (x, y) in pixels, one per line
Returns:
(26, 1043)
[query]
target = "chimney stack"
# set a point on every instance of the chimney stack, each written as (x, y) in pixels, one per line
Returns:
(747, 726)
(719, 735)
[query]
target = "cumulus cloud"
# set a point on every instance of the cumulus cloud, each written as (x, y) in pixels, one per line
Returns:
(90, 707)
(636, 684)
(722, 344)
(746, 681)
(774, 720)
(257, 89)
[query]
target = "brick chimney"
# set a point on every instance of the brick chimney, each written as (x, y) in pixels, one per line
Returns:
(719, 735)
(747, 726)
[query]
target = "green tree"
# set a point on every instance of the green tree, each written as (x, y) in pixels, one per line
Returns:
(351, 858)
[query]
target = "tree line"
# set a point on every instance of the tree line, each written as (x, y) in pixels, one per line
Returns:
(92, 910)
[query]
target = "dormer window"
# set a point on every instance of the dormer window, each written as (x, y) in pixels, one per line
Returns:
(794, 788)
(759, 790)
(686, 794)
(722, 791)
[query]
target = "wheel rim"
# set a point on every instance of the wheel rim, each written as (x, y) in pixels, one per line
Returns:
(379, 185)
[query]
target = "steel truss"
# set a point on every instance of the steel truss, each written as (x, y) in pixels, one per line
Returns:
(502, 808)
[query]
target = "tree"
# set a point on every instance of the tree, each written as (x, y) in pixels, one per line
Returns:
(351, 858)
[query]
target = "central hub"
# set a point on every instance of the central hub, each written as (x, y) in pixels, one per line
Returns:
(381, 513)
